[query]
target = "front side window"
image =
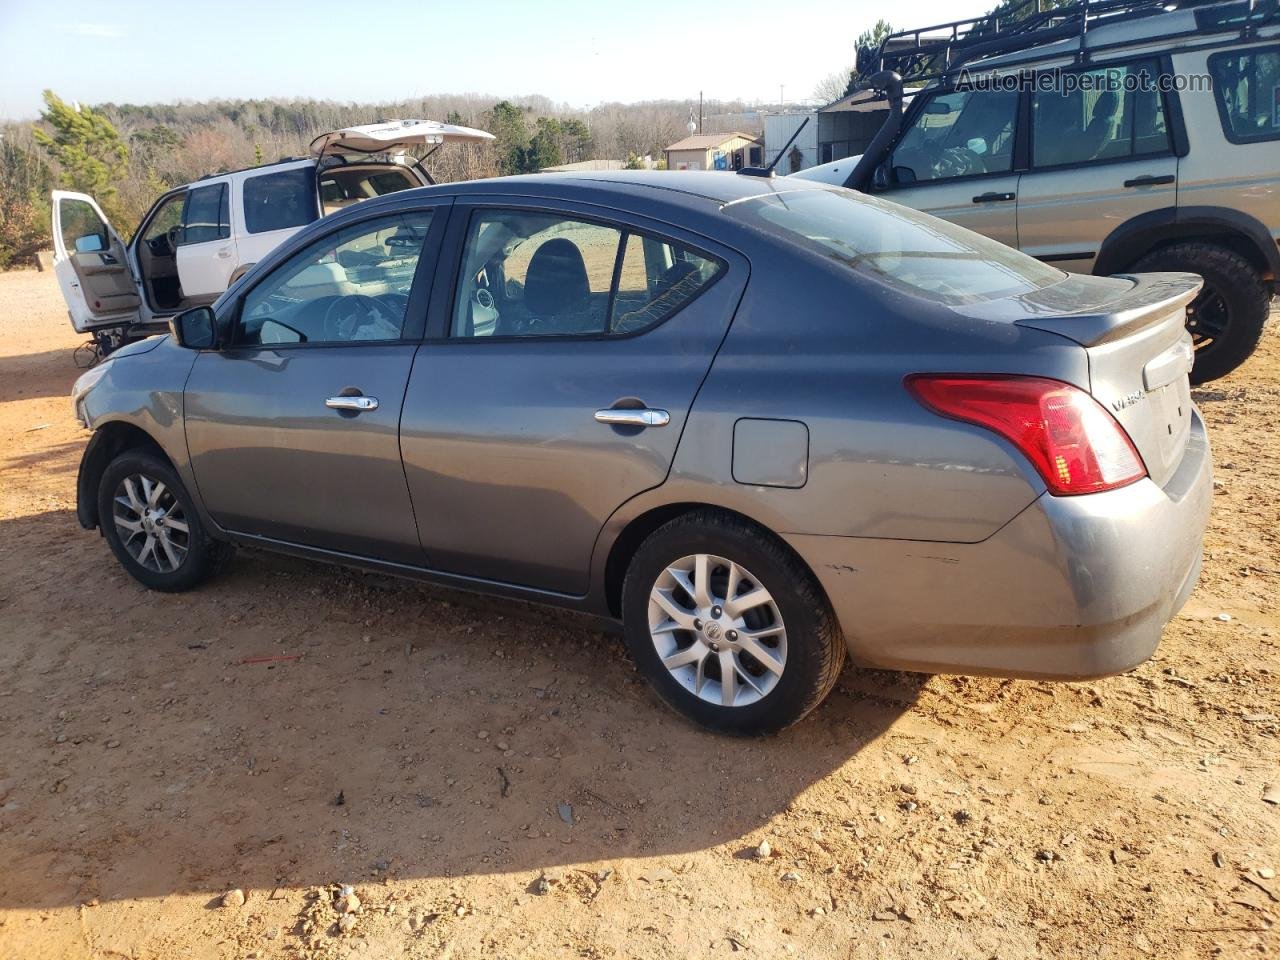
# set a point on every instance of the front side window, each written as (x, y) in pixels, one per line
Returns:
(1246, 84)
(278, 201)
(527, 274)
(896, 245)
(960, 134)
(1109, 114)
(351, 286)
(206, 216)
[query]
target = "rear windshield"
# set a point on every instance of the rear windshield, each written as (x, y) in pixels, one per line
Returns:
(896, 245)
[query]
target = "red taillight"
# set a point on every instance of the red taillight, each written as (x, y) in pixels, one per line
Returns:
(1070, 438)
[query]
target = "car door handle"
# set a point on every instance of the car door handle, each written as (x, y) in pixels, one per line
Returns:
(633, 417)
(993, 197)
(224, 253)
(1150, 181)
(354, 404)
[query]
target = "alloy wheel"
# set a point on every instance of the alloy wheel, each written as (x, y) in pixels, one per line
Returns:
(717, 630)
(1207, 317)
(151, 523)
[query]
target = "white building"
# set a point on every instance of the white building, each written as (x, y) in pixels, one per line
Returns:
(778, 128)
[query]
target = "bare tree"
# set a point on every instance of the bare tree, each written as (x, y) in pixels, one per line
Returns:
(833, 85)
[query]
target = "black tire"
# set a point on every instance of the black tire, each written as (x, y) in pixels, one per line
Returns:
(201, 556)
(1227, 317)
(815, 648)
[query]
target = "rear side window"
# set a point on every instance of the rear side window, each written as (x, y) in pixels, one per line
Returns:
(1246, 84)
(278, 201)
(1113, 114)
(903, 248)
(528, 274)
(206, 216)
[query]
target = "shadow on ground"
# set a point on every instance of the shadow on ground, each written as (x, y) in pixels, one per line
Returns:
(158, 744)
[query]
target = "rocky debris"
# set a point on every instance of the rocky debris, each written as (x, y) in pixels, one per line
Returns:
(348, 903)
(1271, 793)
(233, 898)
(790, 877)
(764, 851)
(566, 813)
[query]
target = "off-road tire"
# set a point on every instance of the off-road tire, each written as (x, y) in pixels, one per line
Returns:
(1246, 295)
(815, 644)
(205, 556)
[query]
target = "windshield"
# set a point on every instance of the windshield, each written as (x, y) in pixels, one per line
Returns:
(896, 245)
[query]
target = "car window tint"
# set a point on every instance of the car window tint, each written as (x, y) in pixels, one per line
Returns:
(1247, 87)
(280, 200)
(896, 245)
(656, 279)
(535, 274)
(350, 286)
(1112, 114)
(78, 221)
(206, 215)
(959, 134)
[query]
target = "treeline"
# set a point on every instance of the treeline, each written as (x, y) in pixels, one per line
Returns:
(126, 155)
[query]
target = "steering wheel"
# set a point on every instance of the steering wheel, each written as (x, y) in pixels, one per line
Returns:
(360, 317)
(959, 162)
(173, 235)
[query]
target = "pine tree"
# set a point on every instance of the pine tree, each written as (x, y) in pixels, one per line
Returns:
(90, 154)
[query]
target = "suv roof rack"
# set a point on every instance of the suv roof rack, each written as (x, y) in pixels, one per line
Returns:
(932, 53)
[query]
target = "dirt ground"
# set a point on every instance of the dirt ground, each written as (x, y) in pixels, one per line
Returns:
(429, 748)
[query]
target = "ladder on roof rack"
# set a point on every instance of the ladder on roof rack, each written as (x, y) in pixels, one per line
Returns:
(931, 53)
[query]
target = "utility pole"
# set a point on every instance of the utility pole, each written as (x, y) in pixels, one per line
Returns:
(781, 98)
(699, 111)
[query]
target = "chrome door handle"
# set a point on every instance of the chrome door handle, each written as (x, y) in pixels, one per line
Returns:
(633, 417)
(357, 404)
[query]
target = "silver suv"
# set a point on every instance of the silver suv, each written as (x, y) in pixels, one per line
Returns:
(1107, 137)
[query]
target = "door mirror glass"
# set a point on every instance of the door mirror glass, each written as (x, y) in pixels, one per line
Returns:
(194, 329)
(90, 244)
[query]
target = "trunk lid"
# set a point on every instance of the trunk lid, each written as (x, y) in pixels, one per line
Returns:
(1133, 329)
(394, 136)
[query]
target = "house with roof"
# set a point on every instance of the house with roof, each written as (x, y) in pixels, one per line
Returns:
(715, 151)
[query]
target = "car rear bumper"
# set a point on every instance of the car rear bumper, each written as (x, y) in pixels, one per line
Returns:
(1072, 587)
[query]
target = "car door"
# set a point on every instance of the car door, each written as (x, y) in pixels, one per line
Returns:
(555, 385)
(206, 253)
(1101, 154)
(92, 264)
(293, 424)
(955, 160)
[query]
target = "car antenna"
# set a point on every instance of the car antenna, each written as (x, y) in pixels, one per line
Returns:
(768, 171)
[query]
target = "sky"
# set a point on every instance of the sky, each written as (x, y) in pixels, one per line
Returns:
(580, 53)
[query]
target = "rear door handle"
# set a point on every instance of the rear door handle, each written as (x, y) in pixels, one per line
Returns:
(633, 417)
(224, 253)
(993, 197)
(354, 404)
(1150, 181)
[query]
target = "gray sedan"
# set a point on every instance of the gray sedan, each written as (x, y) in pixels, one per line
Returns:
(765, 424)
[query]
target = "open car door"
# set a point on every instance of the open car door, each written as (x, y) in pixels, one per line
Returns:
(92, 265)
(394, 136)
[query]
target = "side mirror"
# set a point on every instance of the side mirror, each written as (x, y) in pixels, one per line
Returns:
(194, 329)
(90, 244)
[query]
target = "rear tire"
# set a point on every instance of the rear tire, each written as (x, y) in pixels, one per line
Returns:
(152, 526)
(1227, 317)
(782, 615)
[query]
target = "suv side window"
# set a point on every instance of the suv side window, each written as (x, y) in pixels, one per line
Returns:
(277, 201)
(527, 274)
(351, 286)
(959, 134)
(206, 215)
(1112, 113)
(1246, 84)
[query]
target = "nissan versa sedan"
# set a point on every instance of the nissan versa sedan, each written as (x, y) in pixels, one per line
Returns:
(764, 424)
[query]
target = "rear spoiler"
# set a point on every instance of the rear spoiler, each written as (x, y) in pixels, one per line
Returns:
(1154, 297)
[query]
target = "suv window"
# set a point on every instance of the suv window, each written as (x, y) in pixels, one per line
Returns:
(896, 245)
(542, 274)
(347, 287)
(341, 187)
(1108, 114)
(958, 134)
(206, 215)
(80, 221)
(277, 201)
(1246, 84)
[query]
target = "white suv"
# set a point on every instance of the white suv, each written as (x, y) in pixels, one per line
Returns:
(197, 239)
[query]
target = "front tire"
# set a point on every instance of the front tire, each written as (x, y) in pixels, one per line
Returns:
(1226, 318)
(728, 625)
(151, 525)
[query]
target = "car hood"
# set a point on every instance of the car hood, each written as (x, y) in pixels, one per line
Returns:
(139, 346)
(394, 136)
